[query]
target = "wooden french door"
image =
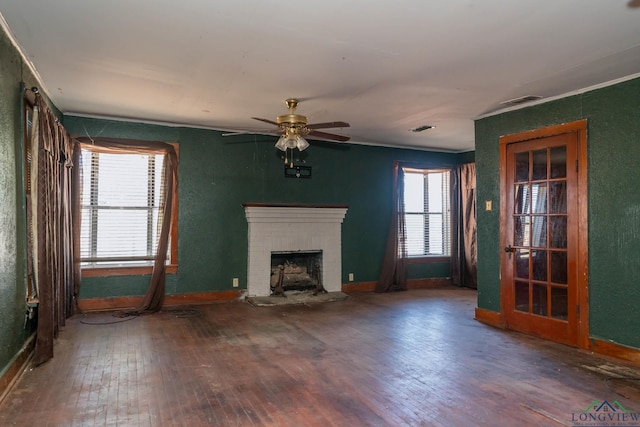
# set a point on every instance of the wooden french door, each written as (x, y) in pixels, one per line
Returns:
(543, 292)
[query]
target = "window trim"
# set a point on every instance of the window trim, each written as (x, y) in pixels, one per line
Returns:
(435, 258)
(427, 259)
(170, 268)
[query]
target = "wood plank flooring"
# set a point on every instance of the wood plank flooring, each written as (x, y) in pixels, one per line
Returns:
(414, 358)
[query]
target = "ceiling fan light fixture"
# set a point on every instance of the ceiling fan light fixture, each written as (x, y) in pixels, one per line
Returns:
(301, 143)
(291, 140)
(282, 143)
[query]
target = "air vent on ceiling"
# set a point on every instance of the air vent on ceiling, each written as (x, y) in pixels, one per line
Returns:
(421, 128)
(521, 100)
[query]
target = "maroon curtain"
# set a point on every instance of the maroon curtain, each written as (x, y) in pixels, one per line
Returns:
(76, 192)
(51, 242)
(154, 296)
(464, 249)
(393, 275)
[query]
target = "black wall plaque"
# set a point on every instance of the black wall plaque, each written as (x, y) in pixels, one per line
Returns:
(297, 172)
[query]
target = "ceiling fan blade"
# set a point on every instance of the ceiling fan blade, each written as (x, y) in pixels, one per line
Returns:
(330, 136)
(253, 132)
(236, 133)
(328, 125)
(271, 122)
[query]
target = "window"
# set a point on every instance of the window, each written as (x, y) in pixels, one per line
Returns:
(121, 211)
(427, 212)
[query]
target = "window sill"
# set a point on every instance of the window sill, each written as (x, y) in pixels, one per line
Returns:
(124, 271)
(427, 259)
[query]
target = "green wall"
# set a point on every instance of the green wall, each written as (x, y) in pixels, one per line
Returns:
(613, 129)
(13, 334)
(217, 174)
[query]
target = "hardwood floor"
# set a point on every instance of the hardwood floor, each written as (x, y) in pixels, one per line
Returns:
(414, 358)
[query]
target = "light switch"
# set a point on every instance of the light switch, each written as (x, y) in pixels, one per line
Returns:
(487, 205)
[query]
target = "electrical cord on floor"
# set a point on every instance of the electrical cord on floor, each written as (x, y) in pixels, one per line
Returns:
(120, 320)
(608, 380)
(126, 316)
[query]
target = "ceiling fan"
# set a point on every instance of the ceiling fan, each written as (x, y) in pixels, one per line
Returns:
(293, 128)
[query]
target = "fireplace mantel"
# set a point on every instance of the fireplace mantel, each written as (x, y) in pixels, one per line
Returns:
(293, 227)
(293, 205)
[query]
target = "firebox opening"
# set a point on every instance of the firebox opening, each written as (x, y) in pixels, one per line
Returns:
(296, 271)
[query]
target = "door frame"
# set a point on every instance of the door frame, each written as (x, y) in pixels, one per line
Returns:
(582, 256)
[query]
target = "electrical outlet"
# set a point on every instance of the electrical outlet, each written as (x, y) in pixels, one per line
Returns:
(235, 282)
(351, 277)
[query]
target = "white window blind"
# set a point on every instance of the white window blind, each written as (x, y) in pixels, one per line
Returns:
(121, 208)
(427, 212)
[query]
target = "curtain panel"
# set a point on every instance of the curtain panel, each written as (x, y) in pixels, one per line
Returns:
(464, 254)
(393, 274)
(50, 244)
(154, 296)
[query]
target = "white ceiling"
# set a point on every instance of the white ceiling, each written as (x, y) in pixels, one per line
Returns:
(384, 67)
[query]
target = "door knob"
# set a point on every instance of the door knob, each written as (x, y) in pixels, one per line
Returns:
(509, 249)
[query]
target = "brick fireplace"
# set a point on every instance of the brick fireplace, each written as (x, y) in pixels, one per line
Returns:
(293, 228)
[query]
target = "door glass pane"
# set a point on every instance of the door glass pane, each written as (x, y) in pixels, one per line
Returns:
(522, 167)
(559, 267)
(539, 165)
(539, 198)
(522, 296)
(522, 263)
(542, 187)
(558, 197)
(559, 303)
(522, 227)
(522, 199)
(559, 162)
(539, 300)
(539, 265)
(539, 232)
(558, 231)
